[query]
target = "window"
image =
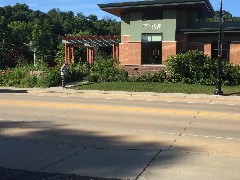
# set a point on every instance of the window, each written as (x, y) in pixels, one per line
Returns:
(151, 37)
(152, 15)
(151, 48)
(225, 50)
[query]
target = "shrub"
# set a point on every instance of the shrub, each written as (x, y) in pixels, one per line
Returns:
(20, 76)
(159, 76)
(106, 70)
(192, 67)
(195, 67)
(14, 76)
(28, 81)
(50, 78)
(76, 72)
(230, 74)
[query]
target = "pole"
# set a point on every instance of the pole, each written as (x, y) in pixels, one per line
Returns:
(218, 90)
(34, 56)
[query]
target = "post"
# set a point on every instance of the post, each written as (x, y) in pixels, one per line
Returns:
(218, 90)
(34, 56)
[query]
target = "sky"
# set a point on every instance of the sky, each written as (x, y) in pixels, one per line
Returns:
(88, 7)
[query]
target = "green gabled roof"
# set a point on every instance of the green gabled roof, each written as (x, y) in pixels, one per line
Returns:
(118, 9)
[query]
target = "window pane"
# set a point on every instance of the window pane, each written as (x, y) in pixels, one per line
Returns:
(156, 38)
(151, 37)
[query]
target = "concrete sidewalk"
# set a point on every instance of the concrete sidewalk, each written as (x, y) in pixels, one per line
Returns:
(121, 94)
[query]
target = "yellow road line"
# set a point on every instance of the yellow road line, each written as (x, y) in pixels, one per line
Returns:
(174, 112)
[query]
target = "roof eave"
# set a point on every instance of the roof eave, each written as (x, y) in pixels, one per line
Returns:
(117, 8)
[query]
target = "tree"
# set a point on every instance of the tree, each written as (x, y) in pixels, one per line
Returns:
(226, 16)
(22, 30)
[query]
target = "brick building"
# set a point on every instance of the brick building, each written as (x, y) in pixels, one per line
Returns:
(152, 30)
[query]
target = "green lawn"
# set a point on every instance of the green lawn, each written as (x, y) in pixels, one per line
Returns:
(157, 87)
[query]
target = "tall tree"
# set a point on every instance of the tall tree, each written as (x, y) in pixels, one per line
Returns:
(227, 16)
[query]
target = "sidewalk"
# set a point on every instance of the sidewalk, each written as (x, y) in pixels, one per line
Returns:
(121, 94)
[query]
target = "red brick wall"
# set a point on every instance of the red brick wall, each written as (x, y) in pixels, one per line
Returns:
(208, 49)
(129, 53)
(168, 49)
(235, 53)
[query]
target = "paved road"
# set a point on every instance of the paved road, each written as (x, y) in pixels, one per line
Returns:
(120, 136)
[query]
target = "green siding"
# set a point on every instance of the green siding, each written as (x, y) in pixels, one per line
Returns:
(133, 25)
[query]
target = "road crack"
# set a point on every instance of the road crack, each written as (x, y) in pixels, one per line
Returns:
(169, 148)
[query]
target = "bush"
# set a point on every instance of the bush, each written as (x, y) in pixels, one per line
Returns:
(14, 76)
(106, 70)
(50, 78)
(21, 77)
(192, 67)
(195, 67)
(28, 81)
(76, 72)
(159, 76)
(230, 74)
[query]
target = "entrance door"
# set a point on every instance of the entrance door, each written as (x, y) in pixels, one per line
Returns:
(151, 49)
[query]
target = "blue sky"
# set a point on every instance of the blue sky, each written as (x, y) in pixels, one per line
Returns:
(88, 7)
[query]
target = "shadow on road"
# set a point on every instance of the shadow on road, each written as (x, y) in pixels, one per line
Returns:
(35, 147)
(232, 94)
(12, 91)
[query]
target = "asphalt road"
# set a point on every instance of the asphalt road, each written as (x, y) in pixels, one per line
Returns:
(118, 137)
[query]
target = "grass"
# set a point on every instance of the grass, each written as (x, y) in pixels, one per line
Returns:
(157, 87)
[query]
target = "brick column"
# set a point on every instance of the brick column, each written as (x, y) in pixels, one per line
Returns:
(208, 49)
(90, 55)
(65, 53)
(235, 53)
(72, 54)
(129, 52)
(169, 48)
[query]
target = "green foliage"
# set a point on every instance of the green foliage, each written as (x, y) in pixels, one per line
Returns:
(23, 30)
(195, 67)
(159, 76)
(227, 17)
(59, 57)
(192, 67)
(106, 70)
(157, 87)
(50, 78)
(29, 81)
(76, 72)
(14, 76)
(41, 75)
(230, 74)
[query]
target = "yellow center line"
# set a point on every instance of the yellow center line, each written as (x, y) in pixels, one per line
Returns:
(173, 112)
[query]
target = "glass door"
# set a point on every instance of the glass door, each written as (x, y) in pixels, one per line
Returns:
(151, 49)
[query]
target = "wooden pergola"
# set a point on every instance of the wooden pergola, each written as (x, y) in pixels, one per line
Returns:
(90, 43)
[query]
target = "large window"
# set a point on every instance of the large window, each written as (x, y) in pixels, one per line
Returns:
(151, 49)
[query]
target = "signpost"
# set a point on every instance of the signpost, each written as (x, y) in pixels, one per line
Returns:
(218, 90)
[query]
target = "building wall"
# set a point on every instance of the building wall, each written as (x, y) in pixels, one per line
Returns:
(133, 25)
(168, 49)
(235, 53)
(129, 53)
(132, 28)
